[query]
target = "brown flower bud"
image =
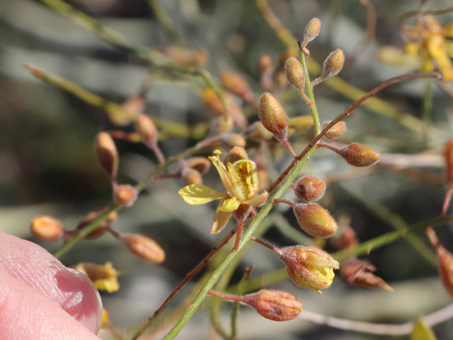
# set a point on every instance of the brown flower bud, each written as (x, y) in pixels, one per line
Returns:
(359, 273)
(311, 31)
(133, 105)
(300, 123)
(213, 102)
(309, 188)
(265, 70)
(147, 130)
(308, 266)
(335, 131)
(191, 176)
(448, 156)
(236, 154)
(233, 139)
(273, 116)
(144, 247)
(295, 73)
(331, 67)
(191, 58)
(348, 239)
(103, 227)
(445, 259)
(201, 164)
(125, 194)
(358, 155)
(106, 154)
(222, 125)
(315, 220)
(259, 132)
(274, 305)
(46, 228)
(237, 85)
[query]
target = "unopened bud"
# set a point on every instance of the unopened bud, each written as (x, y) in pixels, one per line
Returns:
(201, 164)
(144, 247)
(125, 194)
(358, 155)
(265, 70)
(359, 273)
(192, 58)
(335, 131)
(233, 139)
(236, 154)
(348, 239)
(106, 154)
(237, 85)
(133, 105)
(311, 31)
(274, 305)
(46, 228)
(448, 156)
(273, 116)
(300, 123)
(191, 176)
(103, 227)
(259, 132)
(213, 102)
(445, 259)
(310, 188)
(295, 73)
(309, 266)
(331, 66)
(315, 220)
(147, 130)
(222, 125)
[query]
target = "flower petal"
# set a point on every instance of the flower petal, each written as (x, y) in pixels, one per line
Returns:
(220, 220)
(258, 200)
(197, 194)
(244, 179)
(229, 204)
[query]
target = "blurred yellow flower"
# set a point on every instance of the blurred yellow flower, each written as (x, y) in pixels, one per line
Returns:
(240, 180)
(103, 277)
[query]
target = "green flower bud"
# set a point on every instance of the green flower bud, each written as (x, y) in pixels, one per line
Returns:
(315, 220)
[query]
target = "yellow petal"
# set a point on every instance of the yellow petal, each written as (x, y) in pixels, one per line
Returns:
(229, 204)
(258, 200)
(197, 194)
(110, 285)
(220, 220)
(244, 178)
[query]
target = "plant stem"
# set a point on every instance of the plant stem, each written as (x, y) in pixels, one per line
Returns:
(165, 22)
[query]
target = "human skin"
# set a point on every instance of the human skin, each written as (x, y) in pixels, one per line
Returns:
(42, 299)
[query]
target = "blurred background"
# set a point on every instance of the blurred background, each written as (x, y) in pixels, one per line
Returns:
(48, 166)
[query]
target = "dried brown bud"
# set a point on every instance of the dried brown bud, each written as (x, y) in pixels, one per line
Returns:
(106, 154)
(191, 176)
(201, 164)
(445, 259)
(331, 66)
(125, 194)
(46, 228)
(147, 130)
(144, 247)
(311, 31)
(358, 155)
(335, 131)
(233, 139)
(273, 116)
(448, 155)
(315, 220)
(237, 85)
(103, 227)
(295, 73)
(308, 266)
(236, 154)
(309, 188)
(274, 305)
(213, 102)
(359, 273)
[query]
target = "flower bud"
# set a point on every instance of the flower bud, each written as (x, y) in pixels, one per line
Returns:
(331, 66)
(359, 273)
(348, 239)
(259, 132)
(191, 176)
(147, 130)
(358, 155)
(233, 139)
(222, 125)
(295, 73)
(103, 277)
(106, 154)
(201, 164)
(445, 259)
(311, 31)
(235, 84)
(315, 220)
(46, 228)
(265, 70)
(236, 154)
(103, 227)
(300, 123)
(274, 305)
(335, 131)
(273, 116)
(125, 194)
(186, 57)
(213, 102)
(448, 156)
(309, 266)
(309, 188)
(144, 247)
(133, 105)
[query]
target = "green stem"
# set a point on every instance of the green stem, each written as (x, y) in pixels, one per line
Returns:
(165, 22)
(310, 95)
(245, 239)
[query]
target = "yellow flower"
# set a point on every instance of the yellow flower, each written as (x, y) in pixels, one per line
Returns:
(240, 180)
(103, 277)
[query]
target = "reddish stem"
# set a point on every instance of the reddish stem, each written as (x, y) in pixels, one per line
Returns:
(327, 146)
(289, 147)
(266, 244)
(283, 200)
(225, 296)
(447, 200)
